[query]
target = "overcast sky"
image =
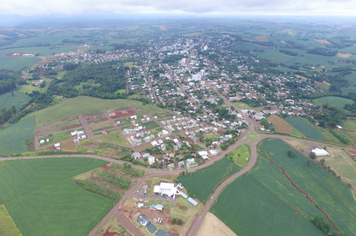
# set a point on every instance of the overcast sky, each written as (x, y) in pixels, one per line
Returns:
(200, 7)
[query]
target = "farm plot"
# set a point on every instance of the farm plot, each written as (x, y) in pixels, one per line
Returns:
(213, 226)
(305, 128)
(150, 125)
(283, 208)
(110, 181)
(18, 137)
(114, 137)
(240, 155)
(68, 146)
(7, 100)
(203, 182)
(7, 225)
(70, 125)
(101, 126)
(280, 125)
(43, 200)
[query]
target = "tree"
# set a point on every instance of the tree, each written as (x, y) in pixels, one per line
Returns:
(174, 220)
(322, 162)
(291, 153)
(179, 222)
(312, 155)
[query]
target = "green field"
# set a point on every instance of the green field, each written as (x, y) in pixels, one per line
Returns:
(266, 198)
(86, 105)
(240, 155)
(150, 125)
(114, 137)
(202, 182)
(305, 128)
(17, 63)
(42, 199)
(335, 101)
(7, 100)
(15, 137)
(7, 225)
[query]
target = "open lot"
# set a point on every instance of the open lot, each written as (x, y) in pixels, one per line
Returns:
(282, 204)
(203, 182)
(86, 105)
(240, 155)
(280, 125)
(112, 227)
(322, 41)
(213, 226)
(114, 137)
(10, 140)
(305, 128)
(7, 225)
(44, 200)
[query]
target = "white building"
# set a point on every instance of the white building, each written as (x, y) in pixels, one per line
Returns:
(166, 189)
(320, 152)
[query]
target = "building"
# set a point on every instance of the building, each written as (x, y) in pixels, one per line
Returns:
(320, 152)
(136, 155)
(192, 201)
(166, 189)
(151, 160)
(142, 220)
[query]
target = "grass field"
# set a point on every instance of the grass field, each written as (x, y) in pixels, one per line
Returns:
(17, 63)
(151, 125)
(86, 105)
(42, 199)
(280, 125)
(7, 225)
(202, 182)
(252, 137)
(335, 101)
(7, 100)
(342, 163)
(14, 137)
(242, 207)
(305, 128)
(114, 137)
(240, 155)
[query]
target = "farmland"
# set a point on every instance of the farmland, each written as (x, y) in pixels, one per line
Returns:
(43, 199)
(203, 182)
(281, 200)
(81, 105)
(280, 125)
(305, 128)
(240, 155)
(213, 226)
(17, 100)
(10, 140)
(7, 225)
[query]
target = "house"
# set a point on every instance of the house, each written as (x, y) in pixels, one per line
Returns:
(190, 161)
(203, 153)
(320, 152)
(166, 189)
(136, 155)
(151, 160)
(57, 146)
(42, 141)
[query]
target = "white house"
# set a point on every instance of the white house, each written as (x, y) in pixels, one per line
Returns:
(151, 160)
(166, 189)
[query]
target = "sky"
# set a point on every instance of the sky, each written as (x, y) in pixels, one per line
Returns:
(187, 7)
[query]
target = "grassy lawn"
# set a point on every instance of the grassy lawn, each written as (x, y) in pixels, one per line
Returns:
(114, 137)
(86, 105)
(7, 225)
(42, 199)
(240, 155)
(335, 101)
(16, 137)
(252, 137)
(203, 182)
(349, 125)
(305, 128)
(266, 197)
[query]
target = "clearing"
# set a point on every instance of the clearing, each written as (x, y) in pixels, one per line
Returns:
(86, 105)
(280, 125)
(322, 41)
(334, 101)
(305, 128)
(114, 137)
(213, 226)
(343, 55)
(342, 163)
(112, 227)
(44, 200)
(203, 182)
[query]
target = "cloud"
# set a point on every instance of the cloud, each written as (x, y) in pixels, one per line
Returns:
(231, 7)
